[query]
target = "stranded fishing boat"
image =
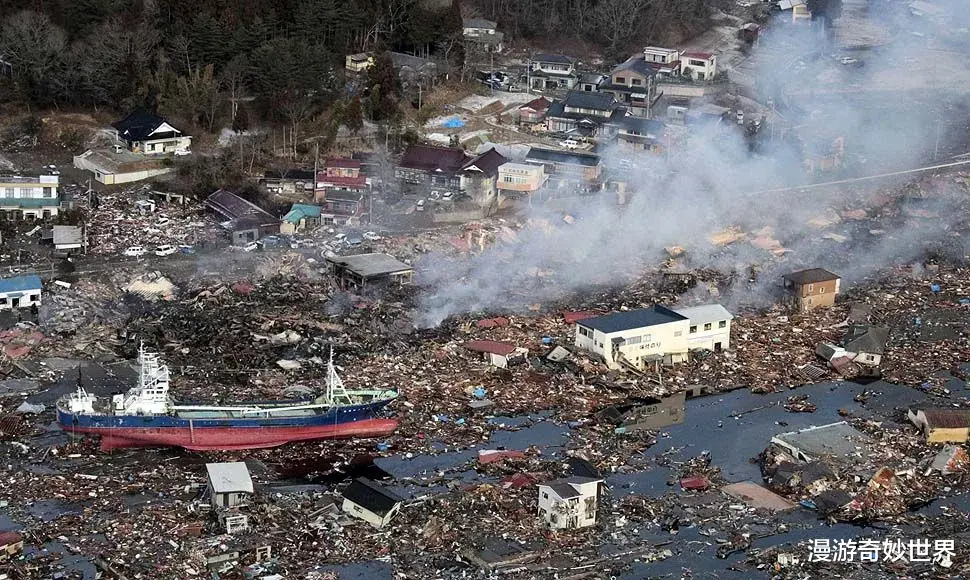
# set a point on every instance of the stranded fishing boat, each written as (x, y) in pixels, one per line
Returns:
(147, 417)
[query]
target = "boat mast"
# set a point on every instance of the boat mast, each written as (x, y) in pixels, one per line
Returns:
(335, 385)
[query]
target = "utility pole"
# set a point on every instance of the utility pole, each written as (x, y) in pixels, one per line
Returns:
(316, 159)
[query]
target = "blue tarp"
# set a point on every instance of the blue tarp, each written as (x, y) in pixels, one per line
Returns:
(454, 123)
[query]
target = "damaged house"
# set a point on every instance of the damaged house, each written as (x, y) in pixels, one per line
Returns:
(569, 503)
(942, 425)
(479, 180)
(810, 289)
(499, 354)
(245, 221)
(636, 338)
(710, 327)
(370, 501)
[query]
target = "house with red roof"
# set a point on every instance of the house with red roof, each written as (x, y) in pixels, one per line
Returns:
(534, 111)
(339, 176)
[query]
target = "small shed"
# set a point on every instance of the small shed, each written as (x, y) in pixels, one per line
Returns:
(229, 484)
(371, 502)
(68, 237)
(499, 354)
(20, 292)
(942, 425)
(11, 544)
(361, 270)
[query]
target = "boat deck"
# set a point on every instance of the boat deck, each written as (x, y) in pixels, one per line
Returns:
(216, 414)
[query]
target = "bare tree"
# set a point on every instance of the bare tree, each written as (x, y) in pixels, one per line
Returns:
(34, 46)
(617, 20)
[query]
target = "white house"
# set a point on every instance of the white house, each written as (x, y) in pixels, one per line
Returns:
(148, 134)
(371, 502)
(710, 327)
(698, 65)
(20, 292)
(29, 197)
(113, 167)
(570, 502)
(636, 337)
(478, 31)
(229, 484)
(665, 60)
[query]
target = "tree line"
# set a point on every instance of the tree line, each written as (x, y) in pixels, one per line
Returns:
(198, 60)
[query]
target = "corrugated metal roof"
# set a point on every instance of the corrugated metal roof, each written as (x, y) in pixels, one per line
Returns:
(947, 418)
(229, 477)
(20, 284)
(704, 314)
(490, 346)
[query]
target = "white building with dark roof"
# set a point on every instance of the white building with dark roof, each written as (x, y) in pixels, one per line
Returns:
(636, 337)
(570, 502)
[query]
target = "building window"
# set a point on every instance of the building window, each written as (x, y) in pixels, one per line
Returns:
(637, 82)
(620, 80)
(8, 192)
(545, 495)
(811, 287)
(707, 326)
(585, 332)
(634, 340)
(26, 192)
(722, 324)
(869, 357)
(3, 300)
(693, 330)
(48, 192)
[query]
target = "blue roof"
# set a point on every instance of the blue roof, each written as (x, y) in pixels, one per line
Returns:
(20, 284)
(300, 211)
(631, 319)
(454, 123)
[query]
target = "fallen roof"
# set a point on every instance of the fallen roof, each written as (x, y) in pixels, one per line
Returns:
(20, 284)
(639, 318)
(490, 346)
(704, 314)
(371, 265)
(811, 276)
(232, 477)
(372, 496)
(946, 418)
(835, 439)
(758, 496)
(864, 338)
(233, 207)
(67, 235)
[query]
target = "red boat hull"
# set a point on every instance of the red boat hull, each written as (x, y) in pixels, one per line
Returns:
(232, 438)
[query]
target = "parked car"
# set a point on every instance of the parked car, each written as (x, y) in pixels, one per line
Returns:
(420, 205)
(250, 247)
(354, 239)
(187, 249)
(448, 196)
(372, 236)
(135, 251)
(165, 250)
(569, 144)
(339, 238)
(182, 152)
